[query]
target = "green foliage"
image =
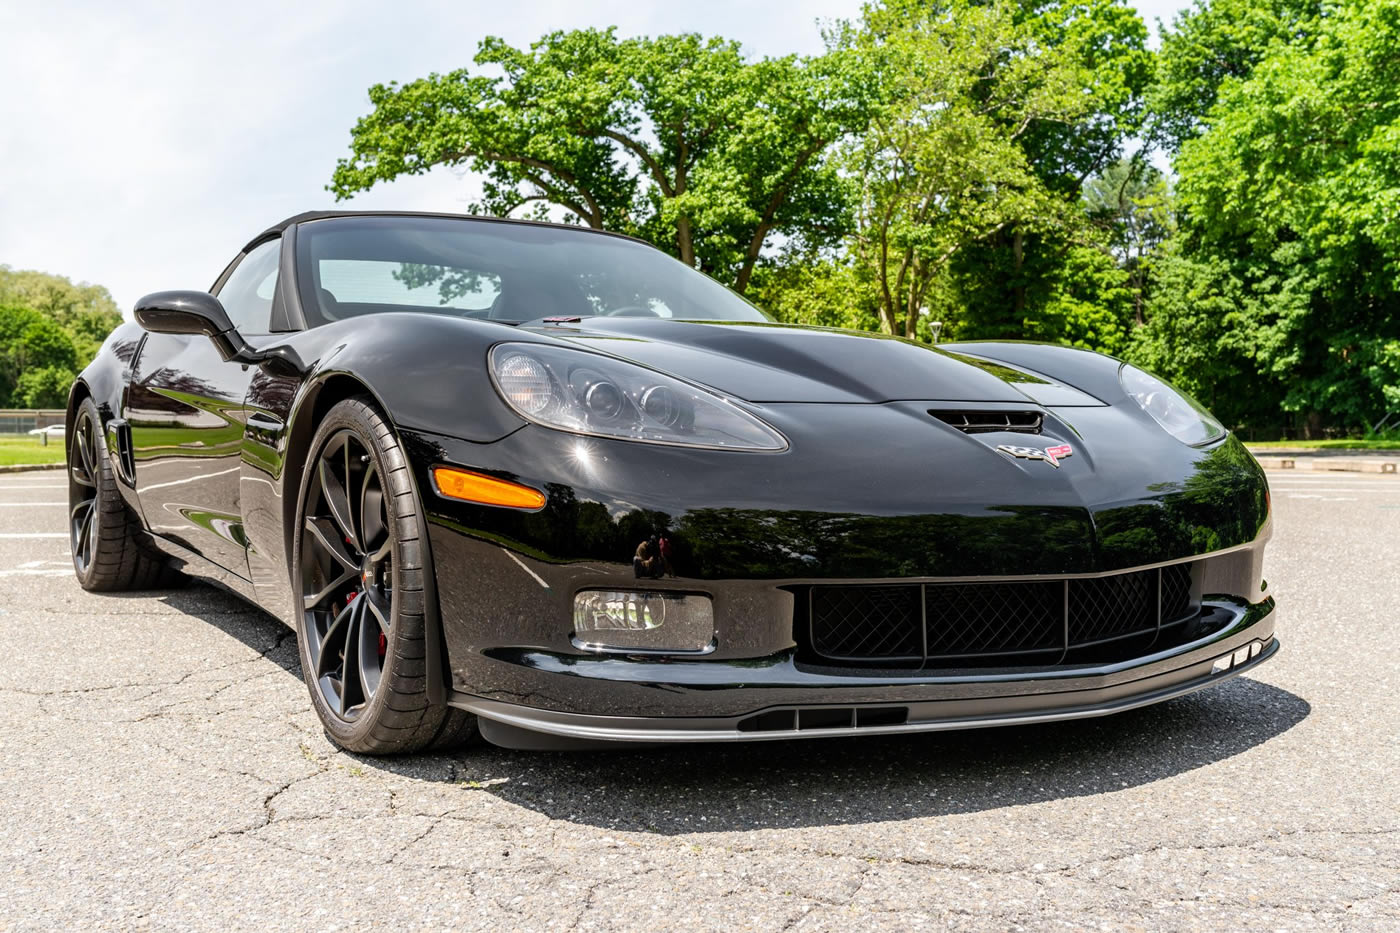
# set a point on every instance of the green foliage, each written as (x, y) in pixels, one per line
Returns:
(86, 312)
(963, 161)
(49, 330)
(825, 293)
(677, 139)
(1131, 204)
(1213, 42)
(1291, 204)
(46, 387)
(942, 166)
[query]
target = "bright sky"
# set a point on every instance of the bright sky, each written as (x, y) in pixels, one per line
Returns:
(141, 143)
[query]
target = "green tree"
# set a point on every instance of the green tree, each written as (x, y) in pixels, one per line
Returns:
(15, 320)
(1291, 200)
(1213, 42)
(44, 387)
(677, 139)
(941, 166)
(86, 311)
(1130, 201)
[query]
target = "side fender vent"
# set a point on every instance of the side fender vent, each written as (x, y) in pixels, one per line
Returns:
(971, 421)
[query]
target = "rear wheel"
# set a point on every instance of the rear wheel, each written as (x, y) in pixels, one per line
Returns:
(105, 535)
(358, 556)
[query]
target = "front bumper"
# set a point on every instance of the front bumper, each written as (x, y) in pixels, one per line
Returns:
(824, 706)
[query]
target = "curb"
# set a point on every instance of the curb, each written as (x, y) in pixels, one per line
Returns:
(1332, 464)
(26, 467)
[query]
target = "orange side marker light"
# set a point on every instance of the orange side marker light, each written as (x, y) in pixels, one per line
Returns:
(487, 490)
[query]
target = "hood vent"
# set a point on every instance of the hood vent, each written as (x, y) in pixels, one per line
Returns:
(979, 422)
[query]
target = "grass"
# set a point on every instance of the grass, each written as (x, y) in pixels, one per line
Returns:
(1343, 444)
(17, 449)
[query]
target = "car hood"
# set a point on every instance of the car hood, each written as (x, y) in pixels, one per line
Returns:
(791, 363)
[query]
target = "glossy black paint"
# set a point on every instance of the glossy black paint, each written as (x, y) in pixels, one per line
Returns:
(189, 312)
(872, 487)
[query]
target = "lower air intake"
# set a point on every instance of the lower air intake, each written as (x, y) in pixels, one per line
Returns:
(1011, 622)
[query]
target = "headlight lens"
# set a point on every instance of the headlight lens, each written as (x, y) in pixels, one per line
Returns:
(1179, 414)
(587, 393)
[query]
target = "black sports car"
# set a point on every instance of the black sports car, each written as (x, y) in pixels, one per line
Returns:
(549, 483)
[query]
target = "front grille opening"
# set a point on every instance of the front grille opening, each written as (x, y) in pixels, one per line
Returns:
(826, 718)
(778, 720)
(867, 622)
(971, 421)
(846, 717)
(882, 716)
(1022, 622)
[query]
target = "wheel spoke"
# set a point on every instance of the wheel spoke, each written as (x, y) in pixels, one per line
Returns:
(366, 646)
(83, 527)
(331, 542)
(331, 588)
(380, 613)
(90, 534)
(339, 503)
(351, 679)
(336, 631)
(372, 519)
(90, 447)
(78, 466)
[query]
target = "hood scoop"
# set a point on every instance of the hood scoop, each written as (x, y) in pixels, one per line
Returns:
(973, 421)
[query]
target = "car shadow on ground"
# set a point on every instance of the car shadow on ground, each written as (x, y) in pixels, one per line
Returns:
(789, 784)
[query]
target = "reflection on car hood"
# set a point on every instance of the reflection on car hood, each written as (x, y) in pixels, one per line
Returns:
(790, 363)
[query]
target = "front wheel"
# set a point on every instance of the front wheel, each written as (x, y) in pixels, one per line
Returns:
(358, 573)
(106, 538)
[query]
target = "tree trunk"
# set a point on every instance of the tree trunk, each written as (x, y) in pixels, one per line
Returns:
(1018, 253)
(685, 241)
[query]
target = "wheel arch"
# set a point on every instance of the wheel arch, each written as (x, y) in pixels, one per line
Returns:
(319, 397)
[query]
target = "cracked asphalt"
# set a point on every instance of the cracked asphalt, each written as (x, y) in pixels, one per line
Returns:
(161, 768)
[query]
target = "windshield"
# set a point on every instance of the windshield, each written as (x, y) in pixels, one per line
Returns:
(511, 272)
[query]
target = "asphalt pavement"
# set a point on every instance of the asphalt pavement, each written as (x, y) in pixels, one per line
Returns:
(160, 767)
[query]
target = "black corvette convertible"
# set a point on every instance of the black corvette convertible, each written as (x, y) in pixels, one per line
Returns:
(549, 485)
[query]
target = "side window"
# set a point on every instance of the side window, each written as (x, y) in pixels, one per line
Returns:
(247, 295)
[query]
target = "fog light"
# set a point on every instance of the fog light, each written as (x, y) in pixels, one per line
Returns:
(645, 621)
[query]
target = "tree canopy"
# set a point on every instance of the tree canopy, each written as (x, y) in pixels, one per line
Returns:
(988, 165)
(678, 139)
(50, 329)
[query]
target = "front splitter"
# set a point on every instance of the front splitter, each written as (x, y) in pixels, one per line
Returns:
(513, 726)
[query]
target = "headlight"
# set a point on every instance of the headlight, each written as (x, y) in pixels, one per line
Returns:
(1179, 414)
(586, 393)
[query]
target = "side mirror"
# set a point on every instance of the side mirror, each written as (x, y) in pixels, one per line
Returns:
(188, 312)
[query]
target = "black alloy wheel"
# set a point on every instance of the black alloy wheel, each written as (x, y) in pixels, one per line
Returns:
(347, 574)
(84, 473)
(110, 548)
(358, 558)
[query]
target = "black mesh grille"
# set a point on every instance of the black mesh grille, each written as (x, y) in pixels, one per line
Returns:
(876, 622)
(1111, 607)
(977, 618)
(990, 621)
(1176, 593)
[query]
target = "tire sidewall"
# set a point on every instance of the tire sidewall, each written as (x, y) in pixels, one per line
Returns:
(348, 414)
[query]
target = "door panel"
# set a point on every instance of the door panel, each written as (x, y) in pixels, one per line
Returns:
(185, 409)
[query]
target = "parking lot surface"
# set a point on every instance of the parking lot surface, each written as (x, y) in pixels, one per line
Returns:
(160, 767)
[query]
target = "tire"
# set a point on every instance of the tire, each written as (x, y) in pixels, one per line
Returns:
(357, 574)
(104, 534)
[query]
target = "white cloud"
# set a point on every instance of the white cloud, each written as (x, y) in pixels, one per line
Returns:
(143, 143)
